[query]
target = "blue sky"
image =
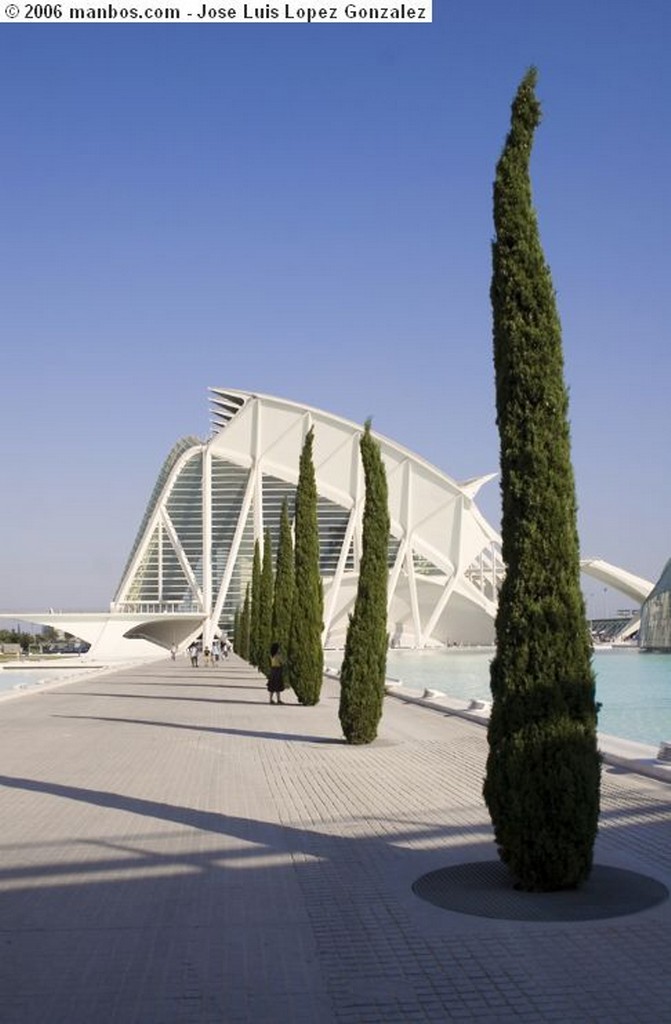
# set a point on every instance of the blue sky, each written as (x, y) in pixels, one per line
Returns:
(306, 211)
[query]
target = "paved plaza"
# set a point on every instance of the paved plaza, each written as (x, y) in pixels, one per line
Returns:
(175, 850)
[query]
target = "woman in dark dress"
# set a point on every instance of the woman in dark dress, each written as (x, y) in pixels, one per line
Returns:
(275, 682)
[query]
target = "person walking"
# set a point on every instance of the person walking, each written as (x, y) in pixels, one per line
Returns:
(193, 654)
(275, 682)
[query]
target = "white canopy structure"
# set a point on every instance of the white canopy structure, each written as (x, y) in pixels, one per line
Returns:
(192, 559)
(194, 550)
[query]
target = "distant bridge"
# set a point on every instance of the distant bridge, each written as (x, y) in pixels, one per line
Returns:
(634, 587)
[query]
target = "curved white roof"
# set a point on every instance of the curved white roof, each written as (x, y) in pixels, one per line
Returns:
(195, 546)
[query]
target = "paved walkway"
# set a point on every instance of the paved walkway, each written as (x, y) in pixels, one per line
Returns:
(175, 850)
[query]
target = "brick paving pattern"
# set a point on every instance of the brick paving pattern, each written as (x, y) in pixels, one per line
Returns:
(174, 850)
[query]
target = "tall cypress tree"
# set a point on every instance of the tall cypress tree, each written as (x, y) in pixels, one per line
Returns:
(284, 584)
(245, 625)
(305, 660)
(255, 613)
(266, 609)
(365, 659)
(543, 769)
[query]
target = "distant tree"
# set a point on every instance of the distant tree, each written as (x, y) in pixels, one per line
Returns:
(255, 615)
(364, 663)
(284, 584)
(245, 625)
(266, 609)
(542, 782)
(305, 661)
(16, 636)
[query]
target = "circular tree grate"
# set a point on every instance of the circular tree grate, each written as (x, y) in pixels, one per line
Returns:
(486, 889)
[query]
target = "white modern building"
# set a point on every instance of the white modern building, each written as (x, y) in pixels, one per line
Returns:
(189, 567)
(194, 550)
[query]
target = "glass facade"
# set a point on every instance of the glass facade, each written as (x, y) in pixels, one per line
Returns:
(332, 520)
(655, 631)
(184, 509)
(176, 452)
(229, 486)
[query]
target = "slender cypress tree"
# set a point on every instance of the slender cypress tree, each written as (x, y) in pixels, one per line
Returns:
(245, 625)
(305, 660)
(543, 769)
(266, 609)
(284, 584)
(365, 659)
(255, 613)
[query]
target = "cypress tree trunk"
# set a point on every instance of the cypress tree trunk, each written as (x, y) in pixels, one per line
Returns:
(266, 609)
(365, 659)
(245, 621)
(255, 613)
(305, 661)
(284, 585)
(543, 769)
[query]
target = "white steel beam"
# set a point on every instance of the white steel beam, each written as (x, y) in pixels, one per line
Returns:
(235, 548)
(206, 503)
(256, 472)
(182, 559)
(352, 522)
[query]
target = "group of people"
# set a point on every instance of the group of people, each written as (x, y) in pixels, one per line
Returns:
(221, 647)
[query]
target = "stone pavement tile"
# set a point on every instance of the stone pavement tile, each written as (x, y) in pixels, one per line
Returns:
(175, 850)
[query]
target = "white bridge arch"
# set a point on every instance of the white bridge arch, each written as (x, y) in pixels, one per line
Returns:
(634, 587)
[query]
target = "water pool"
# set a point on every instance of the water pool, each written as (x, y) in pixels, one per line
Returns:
(634, 688)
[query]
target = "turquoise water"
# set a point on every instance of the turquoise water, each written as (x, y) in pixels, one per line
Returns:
(27, 679)
(634, 689)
